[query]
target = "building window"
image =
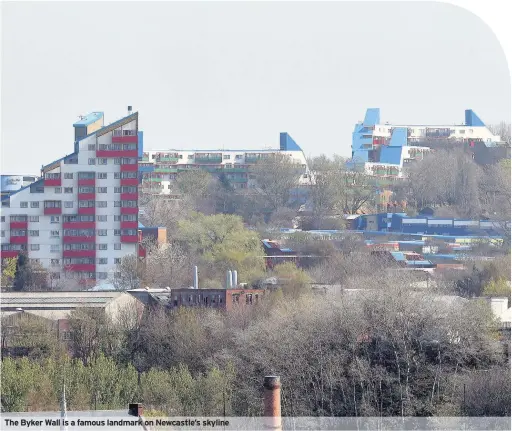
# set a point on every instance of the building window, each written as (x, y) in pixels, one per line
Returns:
(68, 176)
(117, 246)
(55, 248)
(117, 260)
(117, 161)
(101, 218)
(23, 204)
(117, 232)
(54, 262)
(54, 233)
(33, 233)
(2, 219)
(85, 189)
(102, 261)
(462, 131)
(34, 247)
(102, 246)
(91, 147)
(58, 189)
(101, 175)
(68, 189)
(117, 175)
(226, 157)
(3, 233)
(68, 204)
(101, 204)
(102, 190)
(238, 157)
(102, 232)
(92, 161)
(117, 218)
(102, 275)
(117, 189)
(117, 203)
(102, 161)
(55, 219)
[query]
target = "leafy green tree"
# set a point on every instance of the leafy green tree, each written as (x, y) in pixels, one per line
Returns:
(8, 271)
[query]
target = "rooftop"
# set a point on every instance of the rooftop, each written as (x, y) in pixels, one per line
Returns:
(88, 119)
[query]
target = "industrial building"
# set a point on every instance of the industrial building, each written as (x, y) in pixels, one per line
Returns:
(383, 149)
(81, 217)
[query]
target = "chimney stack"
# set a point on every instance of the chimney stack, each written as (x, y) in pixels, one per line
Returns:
(229, 280)
(234, 278)
(272, 402)
(129, 110)
(196, 278)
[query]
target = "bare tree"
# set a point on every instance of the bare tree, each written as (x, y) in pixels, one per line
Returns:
(502, 129)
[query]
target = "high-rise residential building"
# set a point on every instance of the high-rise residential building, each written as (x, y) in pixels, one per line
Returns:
(81, 217)
(159, 168)
(383, 149)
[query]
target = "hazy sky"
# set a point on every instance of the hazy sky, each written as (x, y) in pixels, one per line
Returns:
(234, 75)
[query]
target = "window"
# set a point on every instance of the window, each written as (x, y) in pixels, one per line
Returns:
(56, 276)
(86, 175)
(238, 157)
(117, 175)
(68, 176)
(58, 189)
(92, 161)
(103, 261)
(68, 189)
(68, 204)
(117, 189)
(117, 246)
(3, 233)
(54, 233)
(101, 204)
(54, 262)
(117, 218)
(55, 248)
(91, 147)
(86, 204)
(23, 204)
(190, 156)
(33, 232)
(117, 161)
(226, 157)
(462, 132)
(102, 190)
(117, 260)
(101, 175)
(117, 203)
(102, 161)
(102, 275)
(102, 232)
(101, 218)
(117, 232)
(54, 219)
(102, 246)
(2, 219)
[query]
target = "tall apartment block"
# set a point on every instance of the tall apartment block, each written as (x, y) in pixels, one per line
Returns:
(81, 217)
(384, 148)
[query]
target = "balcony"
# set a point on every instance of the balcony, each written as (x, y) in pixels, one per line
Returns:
(129, 225)
(87, 211)
(130, 238)
(86, 196)
(129, 196)
(129, 210)
(165, 170)
(78, 239)
(79, 253)
(19, 239)
(167, 159)
(19, 225)
(129, 181)
(86, 267)
(132, 139)
(117, 153)
(52, 211)
(79, 225)
(129, 168)
(53, 182)
(208, 160)
(87, 182)
(9, 254)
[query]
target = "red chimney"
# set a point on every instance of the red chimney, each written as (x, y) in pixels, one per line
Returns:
(272, 402)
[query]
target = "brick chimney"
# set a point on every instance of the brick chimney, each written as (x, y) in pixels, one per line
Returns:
(272, 402)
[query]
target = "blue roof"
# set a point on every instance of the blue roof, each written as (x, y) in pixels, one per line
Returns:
(59, 160)
(89, 119)
(141, 226)
(398, 255)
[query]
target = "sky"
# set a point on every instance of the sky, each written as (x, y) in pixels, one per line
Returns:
(235, 75)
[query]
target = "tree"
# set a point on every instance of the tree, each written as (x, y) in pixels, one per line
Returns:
(8, 271)
(502, 129)
(128, 274)
(29, 276)
(275, 176)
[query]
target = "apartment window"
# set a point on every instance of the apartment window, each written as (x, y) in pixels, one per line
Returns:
(101, 175)
(101, 218)
(117, 203)
(85, 189)
(68, 204)
(226, 157)
(23, 204)
(58, 189)
(102, 232)
(102, 275)
(92, 161)
(33, 233)
(117, 161)
(91, 147)
(190, 157)
(102, 190)
(2, 219)
(238, 157)
(102, 261)
(55, 219)
(117, 232)
(34, 247)
(68, 189)
(117, 246)
(54, 262)
(117, 189)
(101, 204)
(102, 246)
(18, 232)
(462, 131)
(55, 248)
(117, 175)
(3, 233)
(68, 176)
(54, 233)
(102, 161)
(129, 204)
(117, 260)
(86, 204)
(117, 218)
